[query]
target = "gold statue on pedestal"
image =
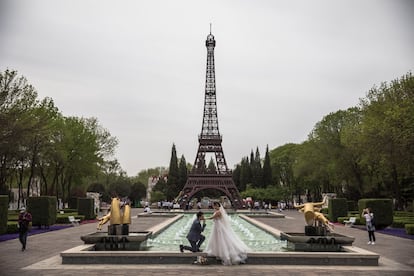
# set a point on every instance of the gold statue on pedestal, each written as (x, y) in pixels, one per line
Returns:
(119, 213)
(312, 214)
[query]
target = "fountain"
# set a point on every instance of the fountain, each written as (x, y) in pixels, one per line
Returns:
(152, 254)
(118, 236)
(253, 236)
(319, 233)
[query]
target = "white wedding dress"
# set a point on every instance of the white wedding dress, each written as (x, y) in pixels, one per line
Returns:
(224, 243)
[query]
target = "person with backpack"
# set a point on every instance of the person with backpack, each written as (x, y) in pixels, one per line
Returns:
(24, 224)
(370, 224)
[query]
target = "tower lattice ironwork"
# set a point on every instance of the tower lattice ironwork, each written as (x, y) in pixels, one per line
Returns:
(201, 177)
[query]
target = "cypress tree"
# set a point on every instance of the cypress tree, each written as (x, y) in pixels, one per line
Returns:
(173, 176)
(256, 166)
(182, 173)
(267, 169)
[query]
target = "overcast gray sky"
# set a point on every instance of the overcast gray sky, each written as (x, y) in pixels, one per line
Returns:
(139, 66)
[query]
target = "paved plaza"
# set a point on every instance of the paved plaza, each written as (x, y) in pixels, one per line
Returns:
(42, 256)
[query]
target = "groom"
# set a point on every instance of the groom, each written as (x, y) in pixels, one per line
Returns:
(194, 236)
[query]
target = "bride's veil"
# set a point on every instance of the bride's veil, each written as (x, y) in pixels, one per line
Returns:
(225, 217)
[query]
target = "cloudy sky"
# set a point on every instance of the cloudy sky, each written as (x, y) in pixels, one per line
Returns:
(139, 66)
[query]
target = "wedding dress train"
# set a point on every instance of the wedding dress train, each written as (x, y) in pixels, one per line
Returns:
(224, 243)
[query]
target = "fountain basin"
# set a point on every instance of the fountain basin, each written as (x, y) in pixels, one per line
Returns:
(352, 256)
(301, 242)
(103, 241)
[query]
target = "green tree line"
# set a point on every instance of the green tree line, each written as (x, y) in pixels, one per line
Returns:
(364, 151)
(42, 149)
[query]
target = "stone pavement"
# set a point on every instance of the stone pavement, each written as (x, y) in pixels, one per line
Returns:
(42, 255)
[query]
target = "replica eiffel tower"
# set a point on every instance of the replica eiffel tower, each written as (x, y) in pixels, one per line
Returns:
(202, 178)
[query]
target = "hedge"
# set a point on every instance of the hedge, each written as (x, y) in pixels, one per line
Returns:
(63, 218)
(73, 203)
(409, 229)
(400, 222)
(4, 206)
(86, 207)
(352, 205)
(337, 208)
(382, 209)
(43, 210)
(12, 227)
(357, 219)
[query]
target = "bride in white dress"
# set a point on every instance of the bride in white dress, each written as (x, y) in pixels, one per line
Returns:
(223, 242)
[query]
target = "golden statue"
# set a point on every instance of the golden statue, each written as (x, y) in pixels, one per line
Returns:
(103, 220)
(312, 214)
(115, 216)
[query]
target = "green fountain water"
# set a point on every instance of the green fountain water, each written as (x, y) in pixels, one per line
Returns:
(257, 239)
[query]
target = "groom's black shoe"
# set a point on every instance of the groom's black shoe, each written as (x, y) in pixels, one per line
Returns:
(181, 248)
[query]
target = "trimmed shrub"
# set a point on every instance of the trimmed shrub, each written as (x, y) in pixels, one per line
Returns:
(403, 214)
(352, 205)
(357, 220)
(69, 210)
(409, 229)
(4, 206)
(43, 210)
(63, 218)
(324, 211)
(400, 222)
(73, 203)
(337, 208)
(86, 208)
(382, 209)
(12, 227)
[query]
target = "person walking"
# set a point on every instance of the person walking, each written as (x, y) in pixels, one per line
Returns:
(369, 222)
(23, 223)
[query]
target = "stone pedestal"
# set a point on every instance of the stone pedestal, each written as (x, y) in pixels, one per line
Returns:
(118, 229)
(115, 229)
(315, 231)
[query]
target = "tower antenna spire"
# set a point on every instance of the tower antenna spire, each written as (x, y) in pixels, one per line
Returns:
(210, 28)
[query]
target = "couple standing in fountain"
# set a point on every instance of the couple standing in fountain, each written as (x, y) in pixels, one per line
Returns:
(223, 242)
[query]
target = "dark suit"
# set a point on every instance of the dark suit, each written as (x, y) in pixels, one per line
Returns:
(194, 236)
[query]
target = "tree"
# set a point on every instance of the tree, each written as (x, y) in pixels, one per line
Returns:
(211, 168)
(17, 98)
(138, 191)
(387, 133)
(283, 160)
(173, 176)
(245, 174)
(267, 170)
(182, 173)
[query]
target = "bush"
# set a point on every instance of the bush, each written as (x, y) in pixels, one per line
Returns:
(337, 208)
(4, 206)
(12, 227)
(43, 210)
(341, 219)
(63, 218)
(409, 229)
(354, 214)
(69, 210)
(73, 203)
(357, 219)
(400, 222)
(403, 214)
(382, 209)
(352, 205)
(86, 207)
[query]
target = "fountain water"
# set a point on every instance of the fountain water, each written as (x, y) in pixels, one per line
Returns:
(257, 239)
